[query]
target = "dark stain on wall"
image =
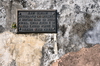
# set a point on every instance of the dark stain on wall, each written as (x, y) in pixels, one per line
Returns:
(97, 18)
(63, 29)
(13, 63)
(23, 2)
(80, 28)
(2, 29)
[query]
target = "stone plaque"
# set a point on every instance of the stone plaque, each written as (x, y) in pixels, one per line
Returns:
(37, 21)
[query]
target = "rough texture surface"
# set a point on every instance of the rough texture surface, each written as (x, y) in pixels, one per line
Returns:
(20, 50)
(84, 57)
(76, 26)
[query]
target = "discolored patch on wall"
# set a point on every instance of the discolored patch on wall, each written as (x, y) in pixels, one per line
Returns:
(23, 2)
(24, 50)
(63, 29)
(80, 28)
(97, 18)
(13, 63)
(2, 29)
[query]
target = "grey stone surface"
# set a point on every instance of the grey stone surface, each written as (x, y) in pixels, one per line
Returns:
(13, 63)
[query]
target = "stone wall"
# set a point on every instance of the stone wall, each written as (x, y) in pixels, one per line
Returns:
(84, 57)
(20, 49)
(75, 18)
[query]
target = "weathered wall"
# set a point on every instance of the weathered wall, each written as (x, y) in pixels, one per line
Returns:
(84, 57)
(75, 19)
(20, 50)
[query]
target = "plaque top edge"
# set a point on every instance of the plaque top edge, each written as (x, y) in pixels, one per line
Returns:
(34, 10)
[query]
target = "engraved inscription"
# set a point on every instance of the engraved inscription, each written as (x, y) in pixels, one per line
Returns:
(37, 21)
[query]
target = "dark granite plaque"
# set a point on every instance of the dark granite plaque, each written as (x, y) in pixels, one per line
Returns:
(37, 21)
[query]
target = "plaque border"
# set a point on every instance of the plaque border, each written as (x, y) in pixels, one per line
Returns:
(38, 11)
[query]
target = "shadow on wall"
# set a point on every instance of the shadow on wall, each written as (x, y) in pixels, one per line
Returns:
(1, 29)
